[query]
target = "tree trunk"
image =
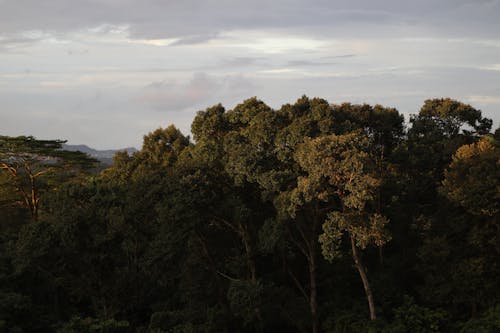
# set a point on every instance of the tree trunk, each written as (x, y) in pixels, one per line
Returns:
(381, 256)
(252, 268)
(313, 298)
(34, 198)
(364, 278)
(221, 293)
(308, 248)
(250, 256)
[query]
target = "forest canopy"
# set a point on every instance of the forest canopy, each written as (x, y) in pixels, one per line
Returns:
(314, 217)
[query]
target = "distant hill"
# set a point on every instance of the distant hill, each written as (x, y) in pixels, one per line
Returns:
(105, 156)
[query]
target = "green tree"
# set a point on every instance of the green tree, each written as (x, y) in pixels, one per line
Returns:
(36, 166)
(473, 178)
(411, 317)
(264, 150)
(455, 249)
(338, 181)
(439, 129)
(451, 116)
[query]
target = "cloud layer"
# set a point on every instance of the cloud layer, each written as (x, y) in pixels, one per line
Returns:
(73, 69)
(195, 20)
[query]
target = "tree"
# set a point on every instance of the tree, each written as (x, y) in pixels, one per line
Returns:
(264, 150)
(163, 146)
(160, 150)
(34, 166)
(456, 250)
(439, 129)
(339, 182)
(266, 156)
(451, 116)
(384, 126)
(473, 178)
(231, 204)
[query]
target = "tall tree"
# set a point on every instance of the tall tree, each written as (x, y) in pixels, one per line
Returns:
(35, 166)
(339, 181)
(449, 248)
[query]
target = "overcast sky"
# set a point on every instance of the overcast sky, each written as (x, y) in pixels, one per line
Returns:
(106, 72)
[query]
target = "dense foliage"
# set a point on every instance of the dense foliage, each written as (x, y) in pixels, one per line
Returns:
(311, 218)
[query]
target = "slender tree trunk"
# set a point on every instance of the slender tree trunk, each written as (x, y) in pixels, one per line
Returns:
(313, 298)
(252, 268)
(248, 252)
(381, 256)
(308, 248)
(19, 188)
(242, 231)
(34, 198)
(362, 273)
(221, 293)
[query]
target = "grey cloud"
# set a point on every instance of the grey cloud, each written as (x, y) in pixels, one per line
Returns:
(350, 55)
(14, 43)
(235, 86)
(173, 96)
(394, 71)
(71, 52)
(241, 61)
(307, 63)
(322, 61)
(235, 63)
(197, 39)
(200, 90)
(401, 89)
(197, 21)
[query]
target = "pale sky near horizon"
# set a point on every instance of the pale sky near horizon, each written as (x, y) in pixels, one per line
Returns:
(106, 72)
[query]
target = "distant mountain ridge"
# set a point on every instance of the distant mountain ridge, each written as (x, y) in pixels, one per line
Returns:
(105, 156)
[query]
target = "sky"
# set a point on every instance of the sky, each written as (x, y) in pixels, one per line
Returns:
(106, 72)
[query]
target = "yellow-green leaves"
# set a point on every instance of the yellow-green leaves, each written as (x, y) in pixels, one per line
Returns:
(336, 167)
(473, 177)
(338, 173)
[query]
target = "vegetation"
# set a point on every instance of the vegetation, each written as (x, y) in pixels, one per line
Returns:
(311, 218)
